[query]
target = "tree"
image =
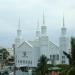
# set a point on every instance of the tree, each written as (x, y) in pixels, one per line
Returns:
(42, 66)
(68, 56)
(73, 49)
(71, 58)
(5, 54)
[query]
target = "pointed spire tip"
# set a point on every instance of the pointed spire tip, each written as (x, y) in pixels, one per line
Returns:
(19, 23)
(43, 18)
(63, 21)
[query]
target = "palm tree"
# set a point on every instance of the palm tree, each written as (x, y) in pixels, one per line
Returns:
(42, 66)
(68, 56)
(71, 58)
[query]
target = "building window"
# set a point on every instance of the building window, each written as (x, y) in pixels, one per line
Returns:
(53, 57)
(57, 57)
(50, 57)
(31, 62)
(26, 61)
(63, 62)
(20, 61)
(24, 54)
(63, 57)
(23, 61)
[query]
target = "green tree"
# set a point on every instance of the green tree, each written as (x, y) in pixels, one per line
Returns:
(71, 58)
(42, 66)
(5, 54)
(73, 49)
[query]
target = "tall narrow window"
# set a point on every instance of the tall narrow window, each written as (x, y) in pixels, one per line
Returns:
(50, 57)
(31, 62)
(53, 57)
(24, 54)
(63, 57)
(57, 57)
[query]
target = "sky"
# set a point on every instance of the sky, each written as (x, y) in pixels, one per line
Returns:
(30, 11)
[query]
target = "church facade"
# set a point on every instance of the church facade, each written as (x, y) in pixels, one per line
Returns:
(27, 53)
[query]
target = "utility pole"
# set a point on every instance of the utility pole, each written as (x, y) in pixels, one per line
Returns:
(14, 60)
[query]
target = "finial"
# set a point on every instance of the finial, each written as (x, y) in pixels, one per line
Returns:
(43, 18)
(19, 23)
(63, 21)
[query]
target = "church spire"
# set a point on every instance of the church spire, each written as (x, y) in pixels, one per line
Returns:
(19, 24)
(43, 27)
(43, 18)
(19, 29)
(63, 29)
(37, 30)
(63, 21)
(18, 38)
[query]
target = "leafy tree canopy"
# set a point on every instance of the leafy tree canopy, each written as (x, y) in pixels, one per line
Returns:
(4, 52)
(42, 66)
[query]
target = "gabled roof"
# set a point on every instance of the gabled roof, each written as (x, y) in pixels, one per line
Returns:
(26, 43)
(50, 43)
(34, 43)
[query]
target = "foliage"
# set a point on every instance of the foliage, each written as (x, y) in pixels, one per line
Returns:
(42, 66)
(62, 66)
(4, 52)
(73, 48)
(71, 57)
(68, 56)
(71, 71)
(4, 57)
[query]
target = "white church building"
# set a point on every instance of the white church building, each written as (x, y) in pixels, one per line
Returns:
(27, 53)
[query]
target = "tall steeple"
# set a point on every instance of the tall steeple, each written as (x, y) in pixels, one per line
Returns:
(63, 42)
(19, 24)
(37, 30)
(43, 27)
(43, 19)
(63, 21)
(19, 29)
(63, 29)
(44, 40)
(18, 38)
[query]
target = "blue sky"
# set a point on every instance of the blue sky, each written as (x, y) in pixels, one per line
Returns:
(30, 11)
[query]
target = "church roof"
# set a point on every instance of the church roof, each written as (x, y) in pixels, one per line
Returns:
(26, 43)
(51, 43)
(34, 43)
